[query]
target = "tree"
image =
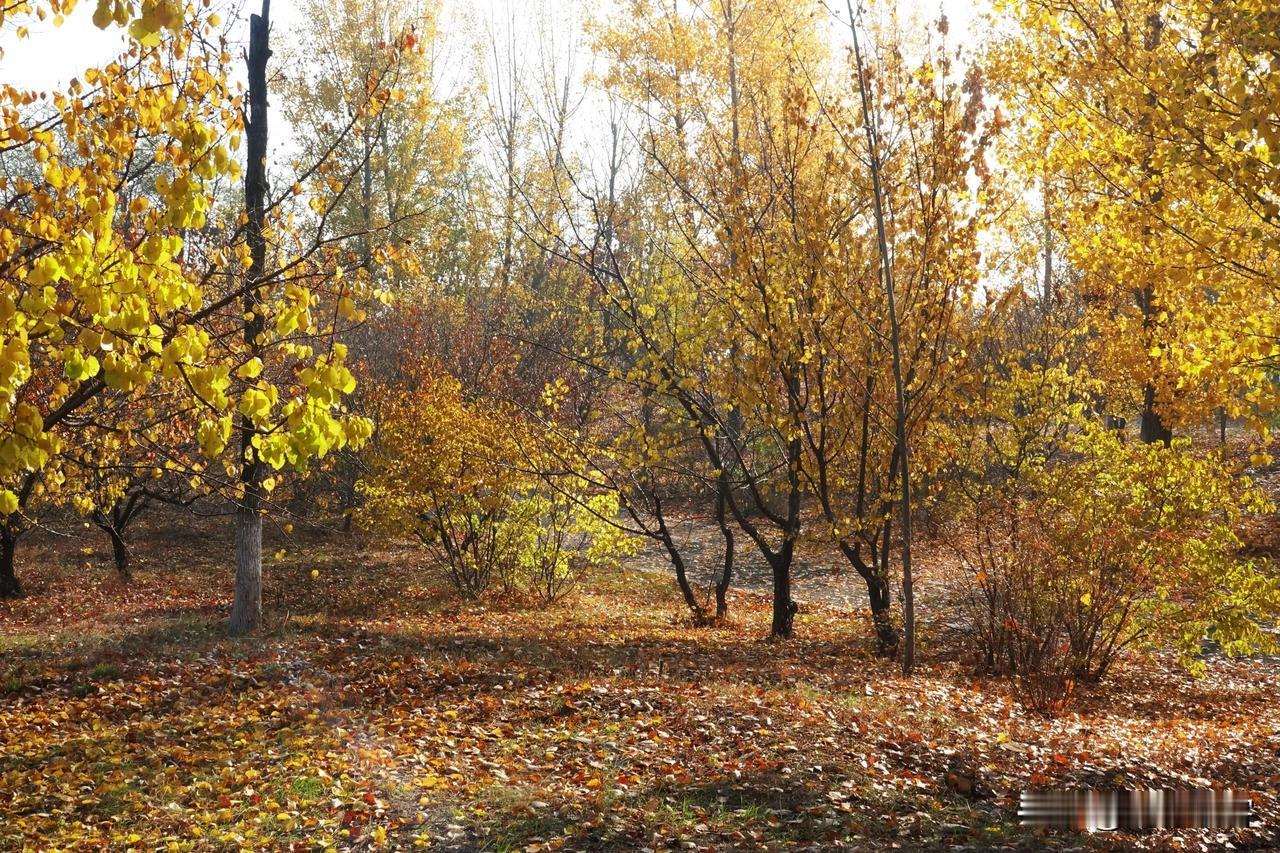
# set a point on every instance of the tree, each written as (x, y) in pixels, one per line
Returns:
(247, 607)
(407, 151)
(1150, 120)
(764, 319)
(112, 298)
(938, 146)
(470, 479)
(280, 354)
(89, 306)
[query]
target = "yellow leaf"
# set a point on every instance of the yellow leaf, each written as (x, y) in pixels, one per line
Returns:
(250, 369)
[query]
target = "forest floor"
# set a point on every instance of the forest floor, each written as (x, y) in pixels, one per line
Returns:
(376, 712)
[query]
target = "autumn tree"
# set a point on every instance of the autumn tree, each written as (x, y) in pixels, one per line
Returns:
(469, 479)
(94, 306)
(103, 304)
(1150, 122)
(277, 361)
(406, 151)
(768, 328)
(925, 135)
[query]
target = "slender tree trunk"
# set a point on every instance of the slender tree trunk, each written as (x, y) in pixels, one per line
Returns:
(9, 586)
(1152, 427)
(784, 609)
(682, 580)
(880, 598)
(1047, 294)
(895, 335)
(366, 204)
(887, 638)
(1222, 426)
(246, 610)
(677, 562)
(726, 569)
(114, 523)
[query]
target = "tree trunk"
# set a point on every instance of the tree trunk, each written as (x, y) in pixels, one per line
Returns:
(677, 562)
(682, 579)
(880, 598)
(895, 337)
(1153, 428)
(366, 204)
(9, 586)
(120, 552)
(246, 611)
(726, 570)
(1048, 255)
(686, 589)
(784, 609)
(887, 638)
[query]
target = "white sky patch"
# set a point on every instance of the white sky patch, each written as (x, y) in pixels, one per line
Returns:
(50, 56)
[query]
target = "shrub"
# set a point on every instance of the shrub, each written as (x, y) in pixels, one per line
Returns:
(559, 537)
(462, 477)
(1114, 547)
(469, 541)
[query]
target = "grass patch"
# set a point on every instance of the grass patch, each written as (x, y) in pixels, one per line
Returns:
(105, 670)
(308, 788)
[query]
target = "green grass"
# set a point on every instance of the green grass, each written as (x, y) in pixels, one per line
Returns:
(308, 788)
(105, 670)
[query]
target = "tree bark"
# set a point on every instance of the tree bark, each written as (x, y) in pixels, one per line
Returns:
(246, 610)
(1153, 427)
(879, 596)
(677, 562)
(726, 569)
(887, 638)
(119, 552)
(9, 586)
(1047, 290)
(784, 609)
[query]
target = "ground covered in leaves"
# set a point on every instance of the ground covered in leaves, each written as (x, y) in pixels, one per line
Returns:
(376, 712)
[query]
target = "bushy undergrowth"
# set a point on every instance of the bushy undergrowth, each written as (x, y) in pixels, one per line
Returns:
(1082, 546)
(466, 478)
(1126, 546)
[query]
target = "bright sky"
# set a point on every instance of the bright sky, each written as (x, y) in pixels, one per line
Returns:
(51, 56)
